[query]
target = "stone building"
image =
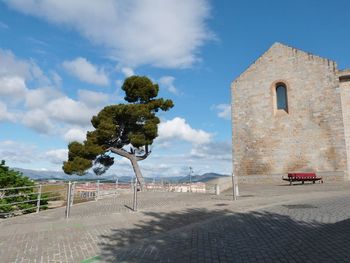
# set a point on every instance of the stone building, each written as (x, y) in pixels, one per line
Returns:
(291, 113)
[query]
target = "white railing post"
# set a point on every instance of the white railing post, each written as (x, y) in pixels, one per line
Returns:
(39, 199)
(69, 189)
(134, 205)
(72, 194)
(234, 187)
(97, 190)
(217, 189)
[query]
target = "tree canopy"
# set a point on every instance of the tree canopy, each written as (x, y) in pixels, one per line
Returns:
(11, 178)
(17, 197)
(124, 129)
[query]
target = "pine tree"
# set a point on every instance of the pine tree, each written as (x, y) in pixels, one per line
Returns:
(127, 130)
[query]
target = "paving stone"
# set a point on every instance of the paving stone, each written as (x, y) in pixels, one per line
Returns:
(284, 224)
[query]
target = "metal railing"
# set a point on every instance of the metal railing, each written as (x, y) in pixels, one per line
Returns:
(33, 199)
(28, 199)
(80, 192)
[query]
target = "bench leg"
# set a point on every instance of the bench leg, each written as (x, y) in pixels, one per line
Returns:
(313, 182)
(302, 182)
(290, 182)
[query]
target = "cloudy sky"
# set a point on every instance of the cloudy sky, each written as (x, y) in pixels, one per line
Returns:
(61, 61)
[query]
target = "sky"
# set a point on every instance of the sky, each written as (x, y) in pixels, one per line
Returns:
(62, 61)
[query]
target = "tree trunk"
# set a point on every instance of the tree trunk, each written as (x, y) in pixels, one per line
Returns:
(137, 171)
(133, 159)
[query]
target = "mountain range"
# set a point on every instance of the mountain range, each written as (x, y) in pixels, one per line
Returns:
(61, 176)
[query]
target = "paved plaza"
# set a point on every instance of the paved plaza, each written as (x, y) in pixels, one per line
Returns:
(269, 223)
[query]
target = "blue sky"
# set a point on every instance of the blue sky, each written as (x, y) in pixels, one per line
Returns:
(62, 61)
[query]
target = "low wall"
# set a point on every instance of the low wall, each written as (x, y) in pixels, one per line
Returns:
(224, 183)
(277, 178)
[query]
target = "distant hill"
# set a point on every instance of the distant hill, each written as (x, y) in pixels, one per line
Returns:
(54, 175)
(202, 178)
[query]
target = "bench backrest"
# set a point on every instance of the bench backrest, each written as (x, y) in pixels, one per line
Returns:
(302, 175)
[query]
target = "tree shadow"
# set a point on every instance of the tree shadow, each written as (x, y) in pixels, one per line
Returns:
(200, 235)
(129, 207)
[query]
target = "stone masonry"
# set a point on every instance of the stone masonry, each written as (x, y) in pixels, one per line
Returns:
(312, 135)
(344, 77)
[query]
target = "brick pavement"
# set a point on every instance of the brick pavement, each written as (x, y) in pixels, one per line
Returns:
(268, 223)
(314, 230)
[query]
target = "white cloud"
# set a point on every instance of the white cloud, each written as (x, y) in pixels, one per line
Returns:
(168, 83)
(38, 120)
(13, 87)
(5, 115)
(70, 111)
(211, 157)
(75, 134)
(17, 152)
(50, 112)
(15, 73)
(177, 128)
(213, 150)
(38, 98)
(87, 72)
(164, 170)
(224, 111)
(20, 153)
(11, 66)
(127, 71)
(163, 33)
(92, 98)
(56, 78)
(57, 156)
(44, 108)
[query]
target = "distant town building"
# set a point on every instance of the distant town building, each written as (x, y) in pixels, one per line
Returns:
(291, 112)
(89, 189)
(188, 187)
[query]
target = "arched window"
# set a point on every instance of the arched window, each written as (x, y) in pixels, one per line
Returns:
(281, 97)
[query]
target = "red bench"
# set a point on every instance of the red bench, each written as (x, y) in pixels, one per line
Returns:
(302, 177)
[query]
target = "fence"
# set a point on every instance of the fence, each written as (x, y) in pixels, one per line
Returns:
(26, 199)
(32, 199)
(29, 199)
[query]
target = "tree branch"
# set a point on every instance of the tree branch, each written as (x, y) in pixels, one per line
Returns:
(128, 155)
(133, 160)
(120, 152)
(145, 155)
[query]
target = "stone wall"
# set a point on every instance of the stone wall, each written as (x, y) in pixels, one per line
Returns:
(310, 137)
(345, 97)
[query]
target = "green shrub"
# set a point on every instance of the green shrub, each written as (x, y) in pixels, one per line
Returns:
(10, 178)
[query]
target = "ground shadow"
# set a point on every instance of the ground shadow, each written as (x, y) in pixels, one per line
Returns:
(128, 207)
(220, 236)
